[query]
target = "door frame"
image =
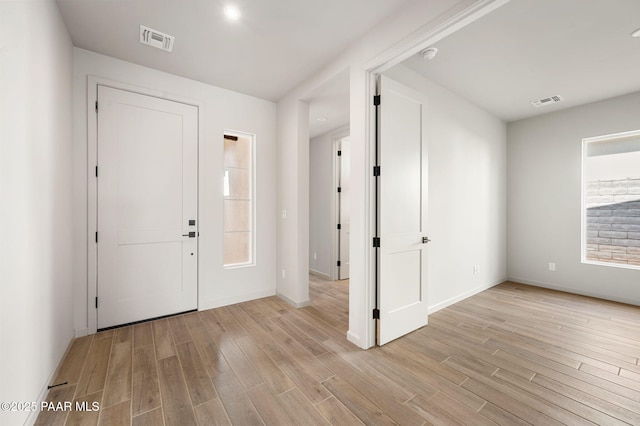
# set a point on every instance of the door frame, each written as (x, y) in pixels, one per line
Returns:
(463, 14)
(92, 183)
(335, 205)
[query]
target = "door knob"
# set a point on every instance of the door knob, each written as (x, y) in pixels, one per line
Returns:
(425, 240)
(190, 235)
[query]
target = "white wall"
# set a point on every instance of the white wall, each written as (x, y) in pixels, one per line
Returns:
(322, 159)
(293, 198)
(544, 190)
(36, 309)
(410, 26)
(467, 152)
(220, 109)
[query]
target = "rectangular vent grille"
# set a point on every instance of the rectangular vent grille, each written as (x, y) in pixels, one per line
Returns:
(547, 101)
(156, 39)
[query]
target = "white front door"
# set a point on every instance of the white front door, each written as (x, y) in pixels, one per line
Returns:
(402, 287)
(345, 208)
(147, 207)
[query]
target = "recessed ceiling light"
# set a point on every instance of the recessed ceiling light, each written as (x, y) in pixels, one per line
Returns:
(636, 33)
(232, 13)
(323, 119)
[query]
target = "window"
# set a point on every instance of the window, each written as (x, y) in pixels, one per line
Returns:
(611, 200)
(238, 200)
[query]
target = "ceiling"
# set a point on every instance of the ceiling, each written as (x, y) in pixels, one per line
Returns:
(331, 102)
(275, 45)
(523, 51)
(532, 49)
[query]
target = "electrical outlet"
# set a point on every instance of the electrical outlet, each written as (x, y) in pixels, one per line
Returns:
(315, 256)
(283, 274)
(284, 214)
(476, 269)
(552, 266)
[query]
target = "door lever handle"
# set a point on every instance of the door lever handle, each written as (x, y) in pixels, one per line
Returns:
(190, 235)
(425, 240)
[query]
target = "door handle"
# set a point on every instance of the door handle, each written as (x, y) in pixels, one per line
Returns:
(191, 234)
(425, 240)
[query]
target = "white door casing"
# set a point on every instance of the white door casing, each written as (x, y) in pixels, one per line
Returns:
(147, 194)
(402, 289)
(345, 208)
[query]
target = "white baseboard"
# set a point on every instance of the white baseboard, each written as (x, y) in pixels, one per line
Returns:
(320, 274)
(292, 303)
(435, 308)
(356, 340)
(210, 304)
(33, 415)
(82, 332)
(575, 291)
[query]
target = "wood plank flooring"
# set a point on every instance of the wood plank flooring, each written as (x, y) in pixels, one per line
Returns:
(513, 354)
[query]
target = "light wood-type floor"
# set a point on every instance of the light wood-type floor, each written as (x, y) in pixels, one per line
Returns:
(511, 355)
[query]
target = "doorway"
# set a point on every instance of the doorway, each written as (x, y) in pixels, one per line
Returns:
(362, 291)
(147, 201)
(402, 210)
(329, 115)
(342, 147)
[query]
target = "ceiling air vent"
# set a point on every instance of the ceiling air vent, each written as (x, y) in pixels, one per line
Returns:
(547, 101)
(156, 39)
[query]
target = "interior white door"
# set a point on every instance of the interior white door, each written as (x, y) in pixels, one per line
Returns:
(402, 287)
(345, 207)
(147, 196)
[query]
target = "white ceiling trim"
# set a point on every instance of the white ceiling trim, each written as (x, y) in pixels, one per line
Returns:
(467, 12)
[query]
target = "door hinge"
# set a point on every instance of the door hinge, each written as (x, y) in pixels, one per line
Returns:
(376, 313)
(376, 241)
(338, 263)
(339, 226)
(339, 153)
(96, 302)
(376, 170)
(96, 106)
(376, 100)
(96, 171)
(96, 236)
(339, 189)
